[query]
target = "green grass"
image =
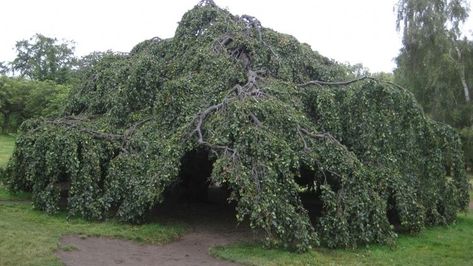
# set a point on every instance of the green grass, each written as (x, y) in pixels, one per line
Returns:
(8, 196)
(452, 245)
(7, 143)
(29, 237)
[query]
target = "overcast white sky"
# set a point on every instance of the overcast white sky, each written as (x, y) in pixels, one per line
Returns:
(361, 31)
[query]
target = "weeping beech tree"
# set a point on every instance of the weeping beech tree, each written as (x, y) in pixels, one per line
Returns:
(278, 122)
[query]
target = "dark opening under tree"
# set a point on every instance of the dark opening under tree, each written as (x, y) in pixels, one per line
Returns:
(274, 119)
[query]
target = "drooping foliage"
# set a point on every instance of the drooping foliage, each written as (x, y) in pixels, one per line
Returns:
(278, 125)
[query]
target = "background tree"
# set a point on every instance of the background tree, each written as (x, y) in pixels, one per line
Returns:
(44, 58)
(12, 102)
(433, 59)
(48, 69)
(3, 68)
(21, 99)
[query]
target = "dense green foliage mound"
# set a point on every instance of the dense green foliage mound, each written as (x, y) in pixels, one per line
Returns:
(277, 121)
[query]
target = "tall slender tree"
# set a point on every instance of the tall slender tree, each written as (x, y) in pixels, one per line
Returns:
(432, 60)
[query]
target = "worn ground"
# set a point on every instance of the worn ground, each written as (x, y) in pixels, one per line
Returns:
(211, 224)
(191, 249)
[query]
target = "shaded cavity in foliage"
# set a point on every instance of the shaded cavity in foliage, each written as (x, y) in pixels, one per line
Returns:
(64, 185)
(193, 199)
(310, 182)
(193, 190)
(392, 213)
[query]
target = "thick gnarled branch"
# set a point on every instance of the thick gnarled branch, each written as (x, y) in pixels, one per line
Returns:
(76, 123)
(326, 135)
(349, 82)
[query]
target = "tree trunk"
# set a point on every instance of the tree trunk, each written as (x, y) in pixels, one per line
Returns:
(461, 70)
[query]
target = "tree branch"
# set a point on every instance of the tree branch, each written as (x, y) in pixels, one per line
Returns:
(256, 120)
(335, 83)
(93, 133)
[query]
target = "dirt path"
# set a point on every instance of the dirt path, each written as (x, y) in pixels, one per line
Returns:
(191, 249)
(211, 226)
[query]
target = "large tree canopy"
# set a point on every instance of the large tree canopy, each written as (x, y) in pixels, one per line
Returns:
(44, 58)
(435, 60)
(276, 120)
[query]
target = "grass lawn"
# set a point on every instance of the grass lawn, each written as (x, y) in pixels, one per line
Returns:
(29, 237)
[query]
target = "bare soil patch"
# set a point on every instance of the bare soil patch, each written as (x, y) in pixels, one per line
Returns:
(211, 224)
(191, 249)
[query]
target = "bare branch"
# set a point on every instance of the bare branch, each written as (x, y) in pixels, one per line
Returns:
(200, 120)
(325, 135)
(76, 123)
(335, 83)
(130, 131)
(306, 148)
(256, 120)
(348, 82)
(95, 134)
